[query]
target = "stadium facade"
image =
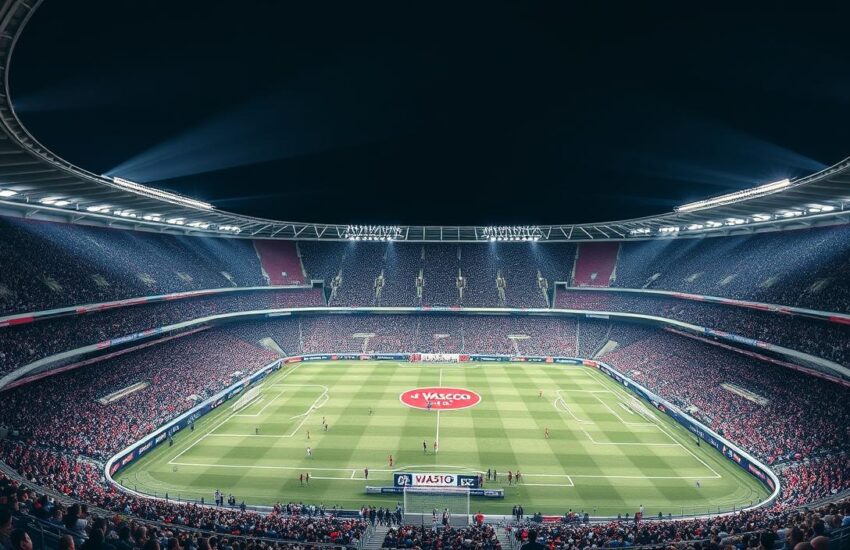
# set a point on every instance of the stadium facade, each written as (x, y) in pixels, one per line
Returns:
(107, 282)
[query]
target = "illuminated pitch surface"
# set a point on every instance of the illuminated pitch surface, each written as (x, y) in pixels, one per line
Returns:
(606, 453)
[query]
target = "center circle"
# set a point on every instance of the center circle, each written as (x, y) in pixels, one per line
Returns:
(440, 398)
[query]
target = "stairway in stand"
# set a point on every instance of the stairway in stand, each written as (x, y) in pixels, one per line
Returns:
(377, 539)
(504, 539)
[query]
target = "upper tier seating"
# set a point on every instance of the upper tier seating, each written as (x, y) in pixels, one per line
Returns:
(23, 344)
(49, 265)
(55, 265)
(817, 337)
(807, 267)
(280, 261)
(595, 264)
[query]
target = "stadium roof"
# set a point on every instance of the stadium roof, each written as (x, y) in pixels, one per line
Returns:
(36, 183)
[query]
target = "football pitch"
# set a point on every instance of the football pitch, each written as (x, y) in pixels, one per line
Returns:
(607, 452)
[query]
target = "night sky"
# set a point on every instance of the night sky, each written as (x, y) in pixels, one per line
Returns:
(436, 113)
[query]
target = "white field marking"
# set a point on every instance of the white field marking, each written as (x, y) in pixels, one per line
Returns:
(628, 443)
(568, 409)
(437, 437)
(660, 427)
(181, 453)
(437, 440)
(316, 405)
(257, 399)
(261, 410)
(353, 473)
(580, 422)
(633, 477)
(585, 391)
(625, 408)
(569, 479)
(620, 418)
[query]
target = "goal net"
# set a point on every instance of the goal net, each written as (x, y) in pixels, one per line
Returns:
(246, 398)
(428, 505)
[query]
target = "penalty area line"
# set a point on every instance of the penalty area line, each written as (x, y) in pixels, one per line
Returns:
(658, 424)
(217, 426)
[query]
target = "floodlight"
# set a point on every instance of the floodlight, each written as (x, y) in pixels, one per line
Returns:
(7, 193)
(150, 191)
(737, 196)
(372, 232)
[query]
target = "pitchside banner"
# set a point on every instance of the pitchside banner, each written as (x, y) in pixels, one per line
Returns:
(431, 479)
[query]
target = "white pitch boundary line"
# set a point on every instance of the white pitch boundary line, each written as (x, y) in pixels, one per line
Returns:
(660, 427)
(257, 399)
(625, 408)
(181, 453)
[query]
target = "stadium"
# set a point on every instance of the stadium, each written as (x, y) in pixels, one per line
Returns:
(172, 373)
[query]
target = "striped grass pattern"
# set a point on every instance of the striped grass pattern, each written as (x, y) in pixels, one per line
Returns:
(607, 452)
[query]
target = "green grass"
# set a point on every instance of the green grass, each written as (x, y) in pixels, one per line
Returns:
(605, 455)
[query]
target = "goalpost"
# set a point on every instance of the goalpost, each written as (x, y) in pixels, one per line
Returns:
(246, 398)
(426, 505)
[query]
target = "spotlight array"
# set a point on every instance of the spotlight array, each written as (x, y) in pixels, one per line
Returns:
(150, 191)
(737, 196)
(510, 233)
(372, 232)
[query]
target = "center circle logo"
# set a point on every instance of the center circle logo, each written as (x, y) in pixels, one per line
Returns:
(440, 399)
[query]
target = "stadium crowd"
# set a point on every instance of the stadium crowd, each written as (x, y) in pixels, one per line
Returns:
(71, 412)
(481, 537)
(441, 333)
(65, 264)
(62, 451)
(50, 265)
(762, 528)
(806, 268)
(756, 404)
(360, 265)
(122, 520)
(817, 337)
(22, 344)
(64, 425)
